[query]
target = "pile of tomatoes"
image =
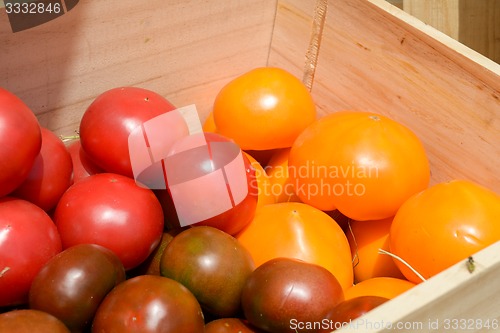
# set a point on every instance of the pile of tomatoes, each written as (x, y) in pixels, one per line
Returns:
(85, 247)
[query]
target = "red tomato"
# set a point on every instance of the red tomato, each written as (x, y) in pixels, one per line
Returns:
(50, 176)
(20, 141)
(112, 211)
(28, 239)
(202, 190)
(109, 120)
(82, 165)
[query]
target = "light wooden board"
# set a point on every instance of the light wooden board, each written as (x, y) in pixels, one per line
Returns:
(453, 301)
(441, 14)
(291, 36)
(397, 3)
(378, 58)
(373, 56)
(184, 50)
(475, 23)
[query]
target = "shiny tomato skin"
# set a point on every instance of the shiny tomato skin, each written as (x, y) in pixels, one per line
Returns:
(151, 266)
(28, 239)
(20, 141)
(345, 312)
(149, 304)
(457, 217)
(230, 325)
(31, 321)
(109, 120)
(264, 108)
(363, 164)
(50, 175)
(112, 211)
(82, 166)
(213, 265)
(285, 289)
(71, 285)
(231, 221)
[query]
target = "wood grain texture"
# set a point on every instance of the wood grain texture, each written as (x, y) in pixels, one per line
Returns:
(397, 3)
(378, 58)
(184, 50)
(474, 23)
(441, 14)
(373, 56)
(291, 36)
(454, 294)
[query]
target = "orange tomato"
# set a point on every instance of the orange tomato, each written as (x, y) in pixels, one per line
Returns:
(209, 124)
(387, 287)
(281, 185)
(262, 156)
(297, 230)
(265, 108)
(365, 239)
(443, 225)
(263, 184)
(365, 165)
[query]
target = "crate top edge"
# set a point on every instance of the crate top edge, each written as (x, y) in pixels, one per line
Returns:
(448, 283)
(438, 36)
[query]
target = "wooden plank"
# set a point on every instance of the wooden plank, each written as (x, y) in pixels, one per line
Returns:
(472, 22)
(378, 58)
(291, 36)
(453, 301)
(441, 14)
(479, 26)
(183, 50)
(397, 3)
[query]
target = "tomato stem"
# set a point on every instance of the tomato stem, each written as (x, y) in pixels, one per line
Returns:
(66, 138)
(355, 258)
(402, 261)
(5, 270)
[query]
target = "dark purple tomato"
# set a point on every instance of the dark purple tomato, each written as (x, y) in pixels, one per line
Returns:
(30, 321)
(20, 141)
(283, 292)
(28, 239)
(345, 312)
(230, 325)
(151, 266)
(73, 283)
(212, 264)
(149, 304)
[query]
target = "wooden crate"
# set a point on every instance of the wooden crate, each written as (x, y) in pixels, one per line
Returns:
(472, 22)
(368, 55)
